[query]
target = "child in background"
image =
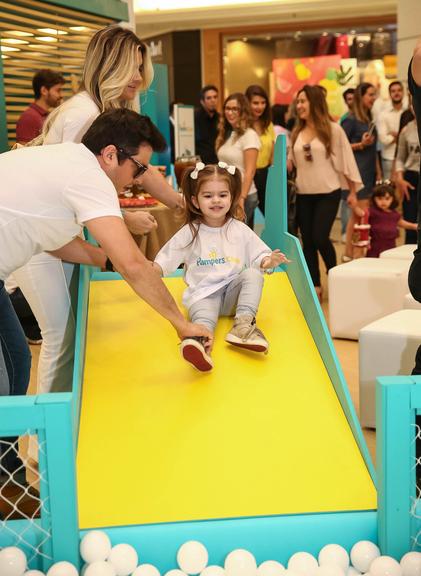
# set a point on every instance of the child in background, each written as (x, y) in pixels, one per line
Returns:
(382, 220)
(223, 261)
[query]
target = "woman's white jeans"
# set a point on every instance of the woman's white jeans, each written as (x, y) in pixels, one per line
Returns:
(44, 281)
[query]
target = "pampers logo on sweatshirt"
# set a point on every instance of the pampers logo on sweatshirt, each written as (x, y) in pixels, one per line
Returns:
(214, 259)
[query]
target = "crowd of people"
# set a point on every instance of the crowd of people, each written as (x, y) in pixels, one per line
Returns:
(77, 154)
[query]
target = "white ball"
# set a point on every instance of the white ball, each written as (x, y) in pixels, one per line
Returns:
(213, 571)
(271, 568)
(146, 570)
(100, 568)
(303, 563)
(124, 559)
(329, 570)
(352, 572)
(240, 563)
(175, 573)
(12, 561)
(385, 566)
(95, 546)
(34, 573)
(62, 569)
(192, 557)
(334, 554)
(411, 564)
(362, 555)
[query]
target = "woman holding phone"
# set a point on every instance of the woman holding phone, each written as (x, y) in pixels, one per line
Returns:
(362, 134)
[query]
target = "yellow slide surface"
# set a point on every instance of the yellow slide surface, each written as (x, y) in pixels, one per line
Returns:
(259, 435)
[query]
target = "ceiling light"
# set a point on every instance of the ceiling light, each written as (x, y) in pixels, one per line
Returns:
(13, 41)
(245, 39)
(52, 31)
(80, 28)
(18, 33)
(46, 38)
(9, 49)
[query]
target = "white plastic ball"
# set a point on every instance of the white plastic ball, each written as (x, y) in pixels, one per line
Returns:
(271, 568)
(12, 561)
(353, 572)
(192, 557)
(175, 573)
(334, 554)
(124, 559)
(411, 564)
(213, 571)
(240, 563)
(303, 563)
(100, 568)
(62, 569)
(385, 566)
(329, 570)
(34, 573)
(362, 555)
(95, 546)
(146, 570)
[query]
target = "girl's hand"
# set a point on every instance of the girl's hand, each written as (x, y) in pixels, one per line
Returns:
(352, 199)
(367, 140)
(274, 260)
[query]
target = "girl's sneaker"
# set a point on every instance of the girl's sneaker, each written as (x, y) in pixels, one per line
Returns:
(193, 350)
(246, 334)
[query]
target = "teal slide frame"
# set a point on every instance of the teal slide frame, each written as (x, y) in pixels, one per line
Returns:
(275, 537)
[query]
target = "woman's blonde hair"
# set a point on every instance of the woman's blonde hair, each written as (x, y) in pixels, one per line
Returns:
(245, 120)
(111, 61)
(319, 114)
(360, 111)
(191, 188)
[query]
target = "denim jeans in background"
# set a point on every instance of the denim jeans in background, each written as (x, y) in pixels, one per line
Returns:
(250, 205)
(17, 360)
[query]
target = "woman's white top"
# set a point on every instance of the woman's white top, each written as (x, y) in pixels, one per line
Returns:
(322, 174)
(47, 194)
(75, 117)
(214, 259)
(232, 151)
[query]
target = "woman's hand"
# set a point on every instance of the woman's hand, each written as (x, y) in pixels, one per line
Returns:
(274, 260)
(367, 139)
(351, 199)
(139, 222)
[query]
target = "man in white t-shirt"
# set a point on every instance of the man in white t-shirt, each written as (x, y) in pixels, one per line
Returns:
(388, 126)
(49, 193)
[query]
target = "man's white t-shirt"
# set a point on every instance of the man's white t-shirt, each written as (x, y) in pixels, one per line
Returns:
(214, 259)
(232, 151)
(47, 194)
(75, 117)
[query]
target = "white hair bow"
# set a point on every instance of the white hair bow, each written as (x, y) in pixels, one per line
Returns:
(199, 166)
(229, 167)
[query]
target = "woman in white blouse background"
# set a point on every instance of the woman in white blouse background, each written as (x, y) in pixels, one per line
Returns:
(238, 144)
(325, 163)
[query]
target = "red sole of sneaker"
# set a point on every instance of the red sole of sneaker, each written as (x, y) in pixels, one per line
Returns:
(196, 358)
(253, 348)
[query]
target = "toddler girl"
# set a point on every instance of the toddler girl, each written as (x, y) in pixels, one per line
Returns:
(382, 220)
(223, 261)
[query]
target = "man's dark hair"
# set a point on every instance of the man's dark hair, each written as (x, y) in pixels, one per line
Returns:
(348, 91)
(206, 89)
(47, 78)
(395, 83)
(125, 129)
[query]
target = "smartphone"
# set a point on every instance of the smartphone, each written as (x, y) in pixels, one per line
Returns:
(371, 128)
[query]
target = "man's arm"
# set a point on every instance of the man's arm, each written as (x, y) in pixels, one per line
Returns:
(81, 252)
(416, 63)
(119, 246)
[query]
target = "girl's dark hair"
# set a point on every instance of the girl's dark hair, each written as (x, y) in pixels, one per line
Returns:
(278, 114)
(360, 112)
(381, 190)
(266, 118)
(245, 119)
(191, 188)
(320, 116)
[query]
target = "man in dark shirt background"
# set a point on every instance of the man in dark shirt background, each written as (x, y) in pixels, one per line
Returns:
(47, 86)
(206, 124)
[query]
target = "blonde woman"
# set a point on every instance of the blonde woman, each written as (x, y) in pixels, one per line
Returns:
(238, 145)
(117, 66)
(324, 161)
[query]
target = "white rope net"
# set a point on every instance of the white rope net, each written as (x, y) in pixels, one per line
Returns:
(20, 480)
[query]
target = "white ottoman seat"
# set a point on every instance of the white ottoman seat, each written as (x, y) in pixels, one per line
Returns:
(404, 252)
(364, 290)
(409, 303)
(387, 347)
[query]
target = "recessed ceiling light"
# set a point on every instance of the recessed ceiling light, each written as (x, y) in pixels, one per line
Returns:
(52, 31)
(46, 38)
(18, 33)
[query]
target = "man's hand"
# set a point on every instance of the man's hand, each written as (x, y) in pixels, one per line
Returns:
(139, 222)
(274, 260)
(188, 329)
(404, 187)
